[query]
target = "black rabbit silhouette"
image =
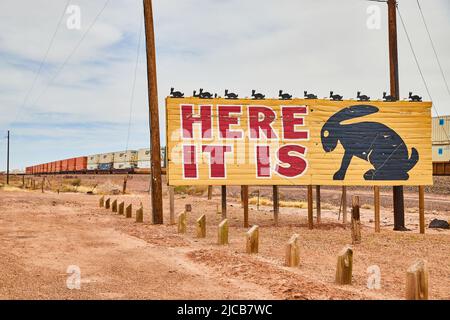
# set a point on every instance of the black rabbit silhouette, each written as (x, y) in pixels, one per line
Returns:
(370, 141)
(414, 98)
(230, 95)
(176, 94)
(362, 97)
(205, 95)
(309, 96)
(257, 96)
(335, 97)
(388, 98)
(284, 96)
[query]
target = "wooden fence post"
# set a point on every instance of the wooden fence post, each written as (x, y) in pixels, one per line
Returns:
(101, 202)
(376, 200)
(310, 208)
(244, 190)
(292, 257)
(43, 184)
(344, 266)
(114, 206)
(182, 222)
(210, 190)
(201, 227)
(276, 205)
(128, 211)
(140, 215)
(224, 202)
(422, 209)
(124, 188)
(252, 237)
(223, 232)
(417, 281)
(356, 222)
(121, 207)
(344, 204)
(108, 203)
(318, 205)
(172, 204)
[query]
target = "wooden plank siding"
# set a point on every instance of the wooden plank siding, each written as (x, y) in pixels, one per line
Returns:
(411, 121)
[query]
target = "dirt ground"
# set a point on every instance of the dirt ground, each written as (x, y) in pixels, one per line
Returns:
(42, 234)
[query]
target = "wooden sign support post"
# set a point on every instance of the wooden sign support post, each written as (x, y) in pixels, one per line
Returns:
(318, 206)
(244, 191)
(376, 200)
(310, 208)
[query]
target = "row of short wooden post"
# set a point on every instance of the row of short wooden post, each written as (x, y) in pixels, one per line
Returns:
(417, 274)
(120, 208)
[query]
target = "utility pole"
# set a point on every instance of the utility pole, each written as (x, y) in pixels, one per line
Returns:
(7, 160)
(156, 197)
(398, 200)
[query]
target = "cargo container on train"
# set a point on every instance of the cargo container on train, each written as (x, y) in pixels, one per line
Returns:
(144, 158)
(125, 159)
(93, 161)
(441, 130)
(441, 153)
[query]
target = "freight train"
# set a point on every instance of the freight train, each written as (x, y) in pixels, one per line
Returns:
(130, 161)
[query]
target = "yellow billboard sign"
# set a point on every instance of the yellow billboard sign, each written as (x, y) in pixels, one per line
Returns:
(298, 142)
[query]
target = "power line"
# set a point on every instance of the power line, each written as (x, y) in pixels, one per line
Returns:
(419, 68)
(71, 53)
(133, 89)
(27, 96)
(434, 48)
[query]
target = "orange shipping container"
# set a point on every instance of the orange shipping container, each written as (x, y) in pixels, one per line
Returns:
(81, 163)
(71, 164)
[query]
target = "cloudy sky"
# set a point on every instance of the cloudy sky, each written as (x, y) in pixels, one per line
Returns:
(80, 102)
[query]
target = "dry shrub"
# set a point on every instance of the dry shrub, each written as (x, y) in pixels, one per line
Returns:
(190, 190)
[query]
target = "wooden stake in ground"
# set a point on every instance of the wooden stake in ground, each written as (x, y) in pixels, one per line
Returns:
(156, 182)
(344, 204)
(128, 211)
(140, 215)
(356, 222)
(107, 203)
(244, 191)
(252, 240)
(188, 208)
(344, 266)
(121, 207)
(218, 210)
(210, 190)
(114, 206)
(276, 204)
(101, 202)
(376, 200)
(224, 202)
(201, 227)
(310, 208)
(223, 232)
(422, 209)
(417, 281)
(124, 188)
(182, 222)
(318, 205)
(172, 204)
(292, 257)
(43, 184)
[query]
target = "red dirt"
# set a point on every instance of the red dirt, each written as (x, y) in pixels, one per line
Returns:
(42, 234)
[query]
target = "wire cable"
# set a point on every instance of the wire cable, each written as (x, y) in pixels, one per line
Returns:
(133, 89)
(41, 65)
(419, 68)
(74, 50)
(434, 48)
